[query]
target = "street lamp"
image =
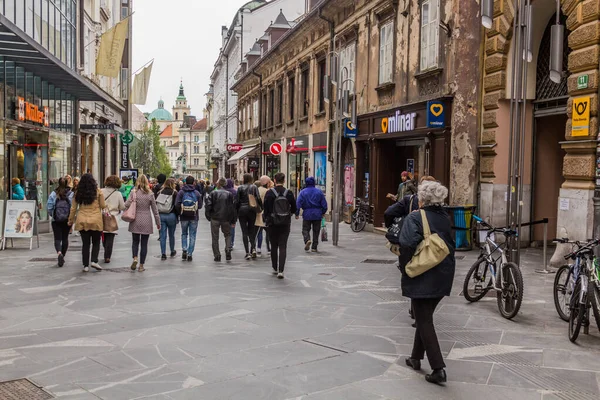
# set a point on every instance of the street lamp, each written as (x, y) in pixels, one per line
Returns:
(556, 48)
(487, 13)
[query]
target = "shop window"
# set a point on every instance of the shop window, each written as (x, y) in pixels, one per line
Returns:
(280, 103)
(304, 96)
(322, 68)
(429, 34)
(291, 96)
(386, 52)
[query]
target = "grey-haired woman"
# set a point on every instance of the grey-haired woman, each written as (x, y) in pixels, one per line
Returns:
(428, 289)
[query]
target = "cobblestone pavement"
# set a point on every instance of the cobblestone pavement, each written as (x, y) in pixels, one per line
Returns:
(335, 328)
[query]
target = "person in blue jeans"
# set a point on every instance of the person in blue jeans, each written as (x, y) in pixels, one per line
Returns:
(187, 205)
(168, 216)
(311, 201)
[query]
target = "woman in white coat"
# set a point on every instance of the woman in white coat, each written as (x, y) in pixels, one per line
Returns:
(115, 204)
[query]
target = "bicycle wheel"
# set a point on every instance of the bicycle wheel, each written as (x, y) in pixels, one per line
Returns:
(577, 312)
(562, 292)
(511, 295)
(474, 287)
(358, 223)
(594, 292)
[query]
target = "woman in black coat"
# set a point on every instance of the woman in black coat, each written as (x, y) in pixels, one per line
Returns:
(427, 290)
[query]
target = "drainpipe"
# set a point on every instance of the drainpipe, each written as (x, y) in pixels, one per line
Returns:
(596, 199)
(260, 142)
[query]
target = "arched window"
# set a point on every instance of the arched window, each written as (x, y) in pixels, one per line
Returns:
(176, 116)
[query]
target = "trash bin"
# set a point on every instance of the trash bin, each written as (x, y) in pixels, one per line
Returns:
(462, 219)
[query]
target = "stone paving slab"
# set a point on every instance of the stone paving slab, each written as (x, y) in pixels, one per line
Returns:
(335, 328)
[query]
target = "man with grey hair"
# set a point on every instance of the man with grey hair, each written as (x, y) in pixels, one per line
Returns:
(220, 211)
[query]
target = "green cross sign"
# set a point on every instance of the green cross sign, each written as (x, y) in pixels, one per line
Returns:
(127, 137)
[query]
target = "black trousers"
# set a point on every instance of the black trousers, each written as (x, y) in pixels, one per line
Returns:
(109, 241)
(425, 337)
(87, 237)
(248, 231)
(316, 230)
(135, 246)
(279, 236)
(61, 236)
(225, 227)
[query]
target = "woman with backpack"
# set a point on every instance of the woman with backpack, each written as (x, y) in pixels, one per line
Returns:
(115, 204)
(59, 208)
(248, 205)
(141, 227)
(165, 202)
(86, 214)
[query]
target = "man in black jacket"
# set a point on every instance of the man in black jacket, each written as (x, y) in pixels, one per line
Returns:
(278, 219)
(220, 211)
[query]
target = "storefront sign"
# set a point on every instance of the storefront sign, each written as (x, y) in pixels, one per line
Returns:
(31, 113)
(581, 116)
(124, 155)
(436, 116)
(127, 137)
(582, 82)
(234, 148)
(298, 145)
(253, 163)
(97, 126)
(350, 130)
(399, 122)
(276, 149)
(212, 166)
(320, 169)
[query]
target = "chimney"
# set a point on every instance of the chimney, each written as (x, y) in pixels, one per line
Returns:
(224, 34)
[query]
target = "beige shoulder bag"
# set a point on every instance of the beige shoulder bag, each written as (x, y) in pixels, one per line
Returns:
(430, 252)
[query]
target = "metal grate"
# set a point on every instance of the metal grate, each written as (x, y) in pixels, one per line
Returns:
(545, 88)
(459, 257)
(42, 259)
(22, 389)
(376, 261)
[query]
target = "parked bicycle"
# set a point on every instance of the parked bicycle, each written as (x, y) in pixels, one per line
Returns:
(493, 271)
(564, 281)
(586, 290)
(360, 215)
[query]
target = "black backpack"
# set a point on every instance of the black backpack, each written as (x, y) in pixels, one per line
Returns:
(62, 209)
(282, 214)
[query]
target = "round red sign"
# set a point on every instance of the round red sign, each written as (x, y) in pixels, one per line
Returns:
(276, 149)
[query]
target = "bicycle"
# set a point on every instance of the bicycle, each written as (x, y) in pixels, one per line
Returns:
(586, 293)
(507, 280)
(360, 215)
(564, 282)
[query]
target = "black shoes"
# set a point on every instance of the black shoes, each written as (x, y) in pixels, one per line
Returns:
(184, 256)
(307, 245)
(437, 376)
(228, 255)
(189, 258)
(163, 257)
(61, 260)
(173, 253)
(413, 363)
(217, 258)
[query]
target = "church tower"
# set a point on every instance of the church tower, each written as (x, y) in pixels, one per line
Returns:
(180, 109)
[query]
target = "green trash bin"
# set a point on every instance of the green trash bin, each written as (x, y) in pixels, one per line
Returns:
(461, 218)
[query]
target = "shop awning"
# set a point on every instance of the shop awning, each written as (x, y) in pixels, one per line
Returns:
(240, 154)
(17, 46)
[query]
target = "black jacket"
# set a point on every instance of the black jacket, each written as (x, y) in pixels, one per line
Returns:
(437, 282)
(242, 204)
(270, 201)
(400, 209)
(220, 206)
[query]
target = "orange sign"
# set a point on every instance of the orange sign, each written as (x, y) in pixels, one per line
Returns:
(30, 112)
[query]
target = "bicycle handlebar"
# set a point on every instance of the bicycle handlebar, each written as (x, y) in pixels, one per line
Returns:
(582, 248)
(505, 231)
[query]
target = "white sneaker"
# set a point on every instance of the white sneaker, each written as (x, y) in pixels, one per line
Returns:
(86, 269)
(96, 266)
(307, 245)
(280, 275)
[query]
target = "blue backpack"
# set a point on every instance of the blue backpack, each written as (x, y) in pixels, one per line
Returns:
(189, 204)
(62, 209)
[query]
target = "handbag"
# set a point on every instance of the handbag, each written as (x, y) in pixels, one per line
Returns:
(430, 252)
(323, 230)
(393, 232)
(252, 202)
(109, 221)
(129, 214)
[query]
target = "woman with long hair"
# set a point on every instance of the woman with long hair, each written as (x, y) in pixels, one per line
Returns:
(247, 215)
(59, 208)
(141, 228)
(86, 213)
(115, 204)
(168, 216)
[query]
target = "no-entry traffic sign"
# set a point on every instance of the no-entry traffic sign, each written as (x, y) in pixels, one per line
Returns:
(276, 149)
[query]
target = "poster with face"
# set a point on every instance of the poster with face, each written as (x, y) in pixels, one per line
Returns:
(349, 184)
(320, 169)
(20, 219)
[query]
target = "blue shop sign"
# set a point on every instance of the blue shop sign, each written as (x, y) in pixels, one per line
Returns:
(350, 131)
(436, 114)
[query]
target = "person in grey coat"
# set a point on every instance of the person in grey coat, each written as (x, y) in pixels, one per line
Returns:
(141, 228)
(428, 289)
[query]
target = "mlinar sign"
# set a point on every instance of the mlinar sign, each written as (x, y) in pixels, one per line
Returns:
(398, 122)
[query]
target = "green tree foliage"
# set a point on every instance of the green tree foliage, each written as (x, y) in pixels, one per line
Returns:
(148, 154)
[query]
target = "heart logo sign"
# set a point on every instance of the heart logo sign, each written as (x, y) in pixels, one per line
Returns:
(436, 109)
(384, 125)
(580, 108)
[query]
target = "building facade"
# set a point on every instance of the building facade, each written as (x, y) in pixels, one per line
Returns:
(561, 164)
(247, 27)
(40, 100)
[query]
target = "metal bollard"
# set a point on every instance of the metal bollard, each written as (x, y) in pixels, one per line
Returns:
(546, 270)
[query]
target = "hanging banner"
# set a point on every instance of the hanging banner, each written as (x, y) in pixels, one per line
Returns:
(320, 169)
(581, 116)
(110, 53)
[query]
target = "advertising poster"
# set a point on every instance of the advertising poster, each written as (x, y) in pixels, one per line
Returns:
(20, 219)
(126, 173)
(349, 184)
(321, 170)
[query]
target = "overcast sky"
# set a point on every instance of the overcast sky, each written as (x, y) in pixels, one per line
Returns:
(184, 38)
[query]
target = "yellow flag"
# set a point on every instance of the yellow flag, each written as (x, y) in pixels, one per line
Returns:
(110, 54)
